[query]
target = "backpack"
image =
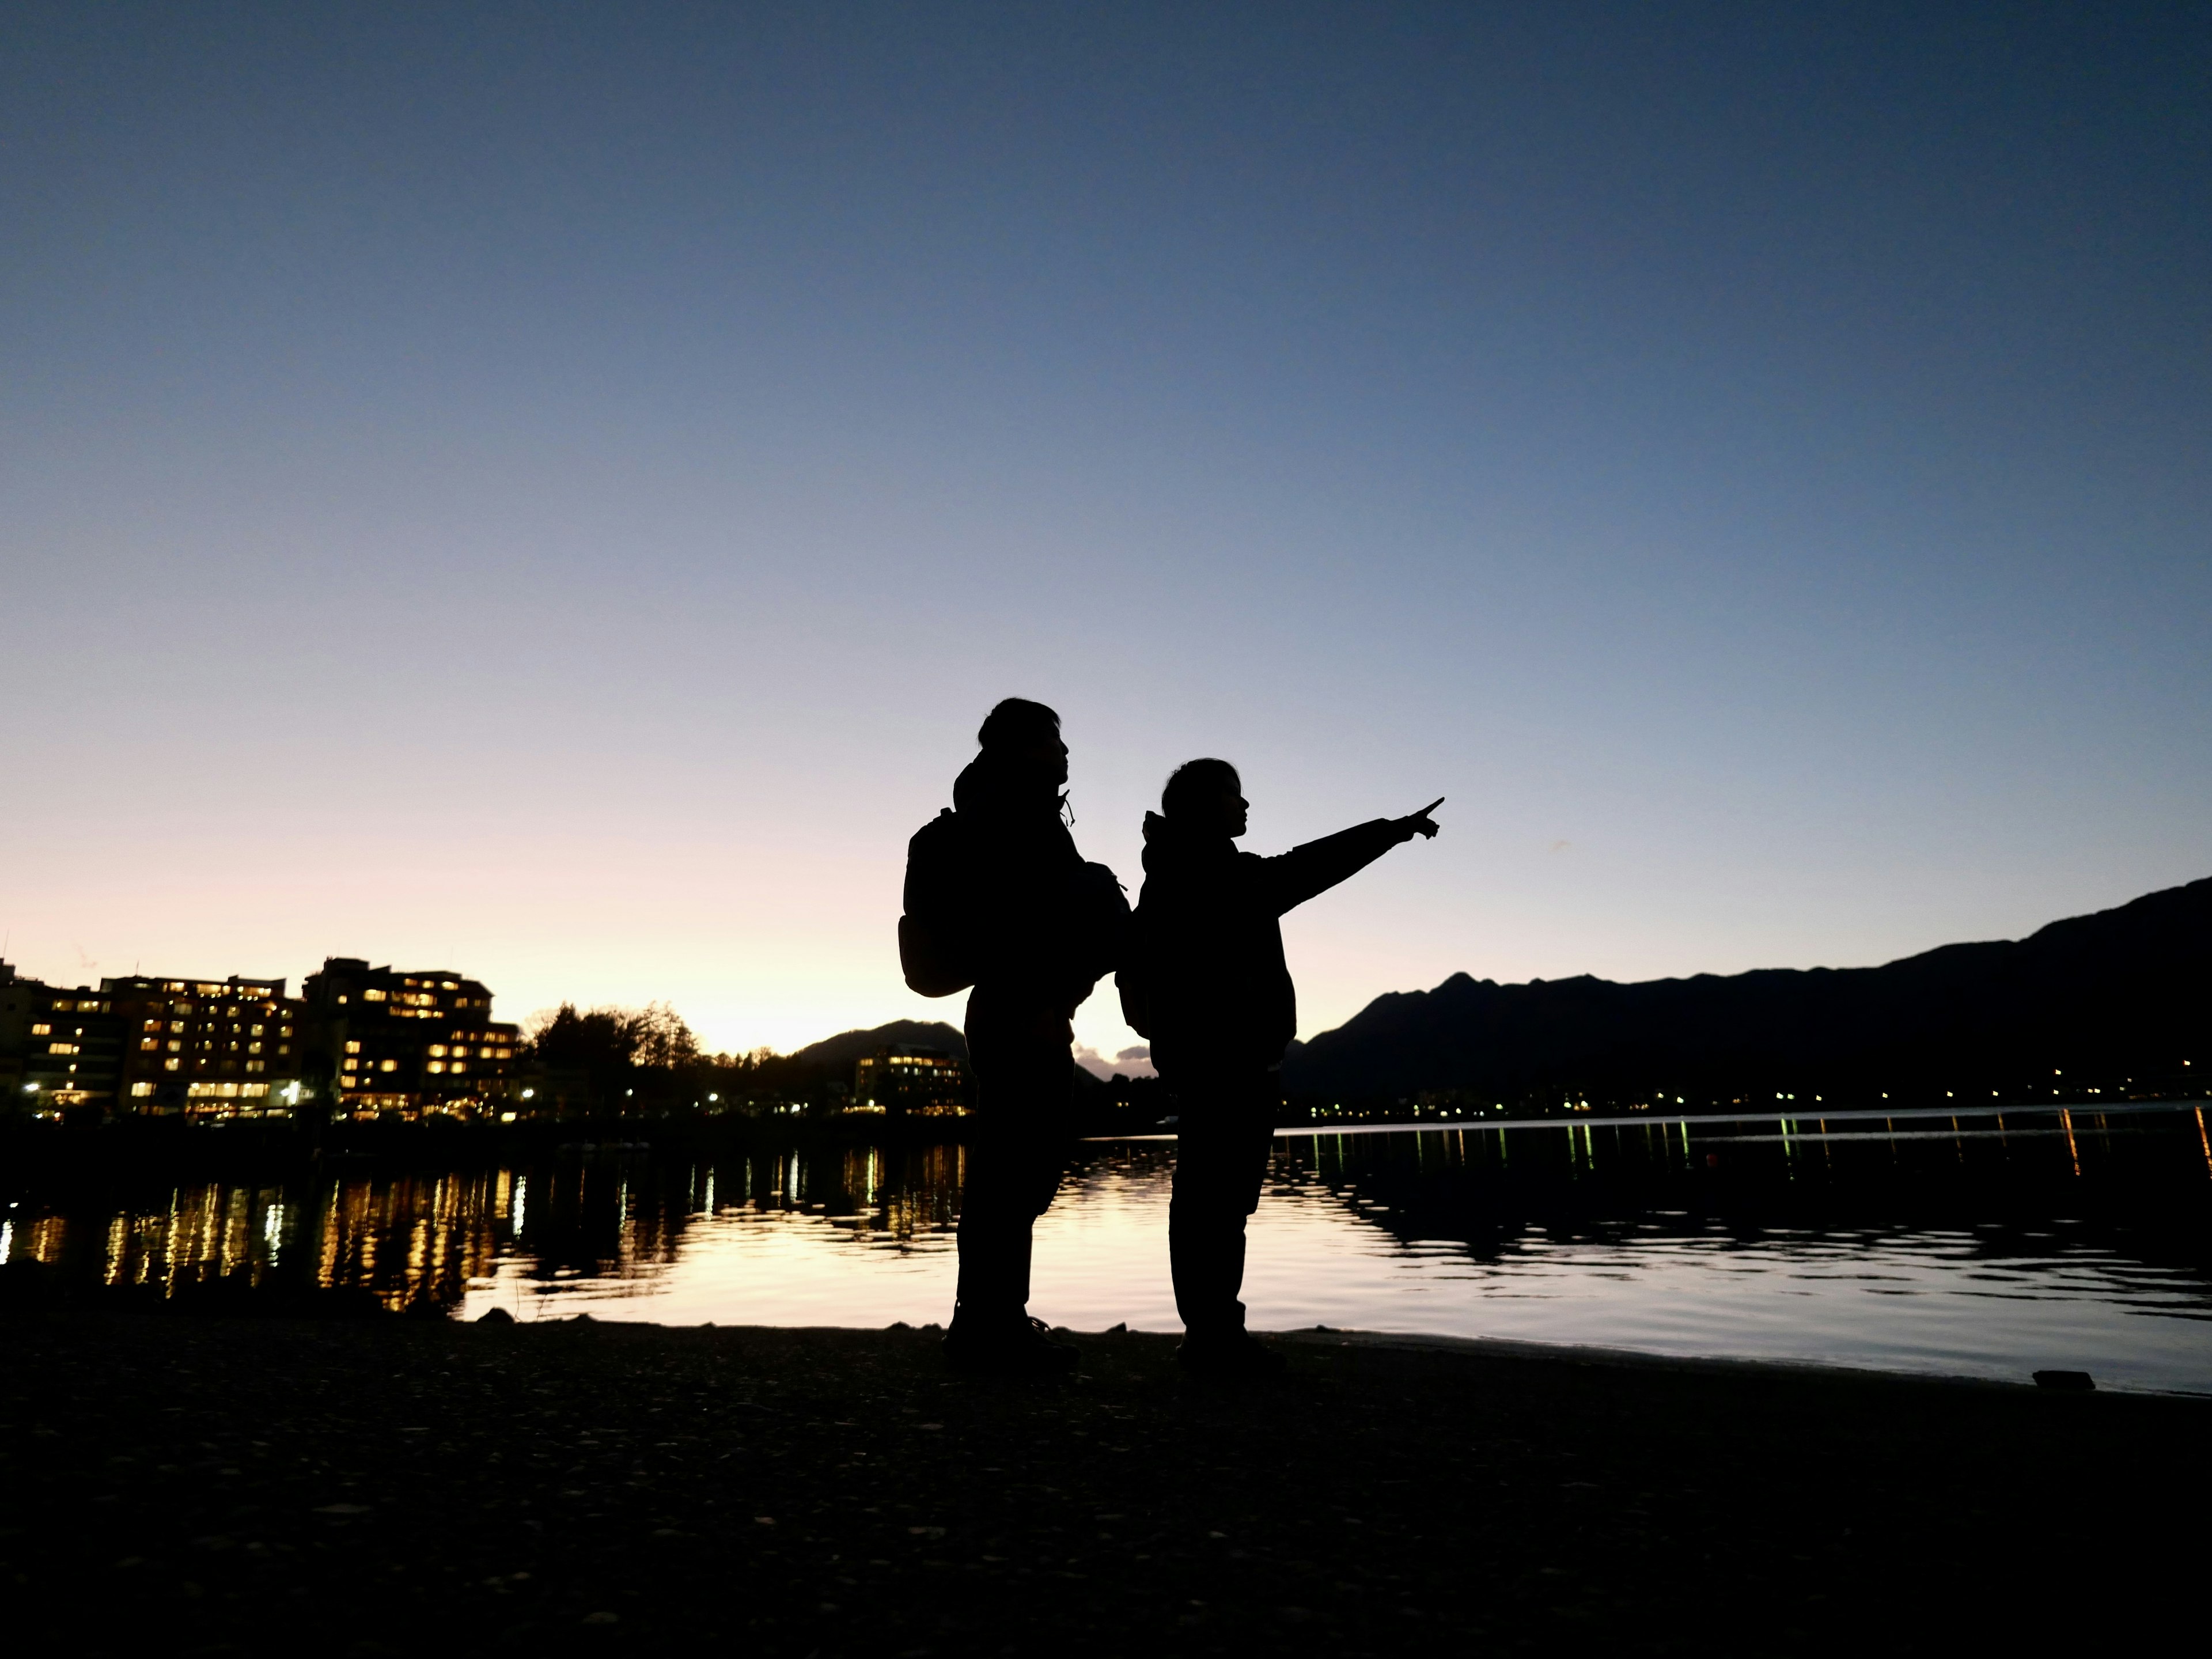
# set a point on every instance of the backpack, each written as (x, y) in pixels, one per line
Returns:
(1133, 980)
(1099, 924)
(937, 935)
(935, 951)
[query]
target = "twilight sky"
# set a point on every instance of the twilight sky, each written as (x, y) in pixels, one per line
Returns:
(550, 491)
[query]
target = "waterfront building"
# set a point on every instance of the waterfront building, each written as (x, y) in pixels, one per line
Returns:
(70, 1049)
(207, 1048)
(14, 1030)
(408, 1043)
(910, 1081)
(15, 1036)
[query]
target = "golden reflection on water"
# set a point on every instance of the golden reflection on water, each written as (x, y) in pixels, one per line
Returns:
(408, 1239)
(1852, 1238)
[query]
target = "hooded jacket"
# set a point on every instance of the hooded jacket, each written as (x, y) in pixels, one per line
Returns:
(1207, 982)
(1022, 874)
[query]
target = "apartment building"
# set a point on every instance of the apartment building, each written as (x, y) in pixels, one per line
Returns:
(69, 1053)
(206, 1047)
(910, 1081)
(409, 1043)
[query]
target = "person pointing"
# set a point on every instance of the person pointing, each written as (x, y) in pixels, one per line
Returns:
(1206, 980)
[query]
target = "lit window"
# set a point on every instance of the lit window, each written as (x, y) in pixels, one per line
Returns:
(350, 1064)
(140, 1090)
(257, 1064)
(256, 1031)
(283, 1048)
(388, 1065)
(353, 1047)
(153, 1024)
(176, 1024)
(42, 1030)
(174, 1045)
(460, 1066)
(437, 1065)
(171, 1065)
(439, 1050)
(61, 1048)
(253, 1048)
(372, 996)
(149, 1045)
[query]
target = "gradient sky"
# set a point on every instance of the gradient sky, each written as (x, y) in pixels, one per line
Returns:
(550, 491)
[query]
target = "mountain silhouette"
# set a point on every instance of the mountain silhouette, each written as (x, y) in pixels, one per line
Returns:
(836, 1055)
(2121, 997)
(832, 1059)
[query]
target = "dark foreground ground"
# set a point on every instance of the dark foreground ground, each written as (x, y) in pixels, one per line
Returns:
(392, 1485)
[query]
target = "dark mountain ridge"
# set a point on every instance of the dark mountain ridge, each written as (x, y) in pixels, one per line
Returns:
(836, 1054)
(2122, 994)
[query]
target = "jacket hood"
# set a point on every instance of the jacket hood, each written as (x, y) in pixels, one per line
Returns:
(1170, 849)
(990, 788)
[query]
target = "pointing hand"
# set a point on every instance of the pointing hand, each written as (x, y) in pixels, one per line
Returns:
(1420, 823)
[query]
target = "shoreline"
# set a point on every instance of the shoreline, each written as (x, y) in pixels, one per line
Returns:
(300, 1140)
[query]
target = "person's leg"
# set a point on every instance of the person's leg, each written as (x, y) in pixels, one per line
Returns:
(1016, 1151)
(1226, 1127)
(995, 1225)
(1201, 1237)
(1047, 1138)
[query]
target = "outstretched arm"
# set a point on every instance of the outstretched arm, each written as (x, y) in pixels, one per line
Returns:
(1292, 878)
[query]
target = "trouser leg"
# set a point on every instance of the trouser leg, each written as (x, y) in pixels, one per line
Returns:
(1206, 1256)
(995, 1266)
(1226, 1127)
(1017, 1152)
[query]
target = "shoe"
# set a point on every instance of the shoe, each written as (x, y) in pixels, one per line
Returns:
(1021, 1349)
(1234, 1351)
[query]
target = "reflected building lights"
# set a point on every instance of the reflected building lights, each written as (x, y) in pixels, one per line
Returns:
(1435, 1210)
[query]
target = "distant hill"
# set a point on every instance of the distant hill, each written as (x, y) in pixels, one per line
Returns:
(2122, 993)
(837, 1055)
(834, 1057)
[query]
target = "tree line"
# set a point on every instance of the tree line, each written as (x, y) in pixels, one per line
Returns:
(647, 1059)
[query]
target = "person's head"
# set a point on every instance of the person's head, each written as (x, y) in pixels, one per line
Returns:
(1206, 796)
(1024, 738)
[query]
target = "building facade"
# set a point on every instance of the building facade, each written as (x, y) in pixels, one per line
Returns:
(407, 1043)
(910, 1082)
(14, 1033)
(207, 1049)
(71, 1048)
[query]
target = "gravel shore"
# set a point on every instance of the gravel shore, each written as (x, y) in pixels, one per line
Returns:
(386, 1485)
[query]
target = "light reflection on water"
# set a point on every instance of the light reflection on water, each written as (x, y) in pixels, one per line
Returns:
(1971, 1248)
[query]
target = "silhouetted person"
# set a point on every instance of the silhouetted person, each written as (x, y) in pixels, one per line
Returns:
(1207, 983)
(998, 897)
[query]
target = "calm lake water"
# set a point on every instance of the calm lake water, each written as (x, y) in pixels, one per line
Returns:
(1985, 1245)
